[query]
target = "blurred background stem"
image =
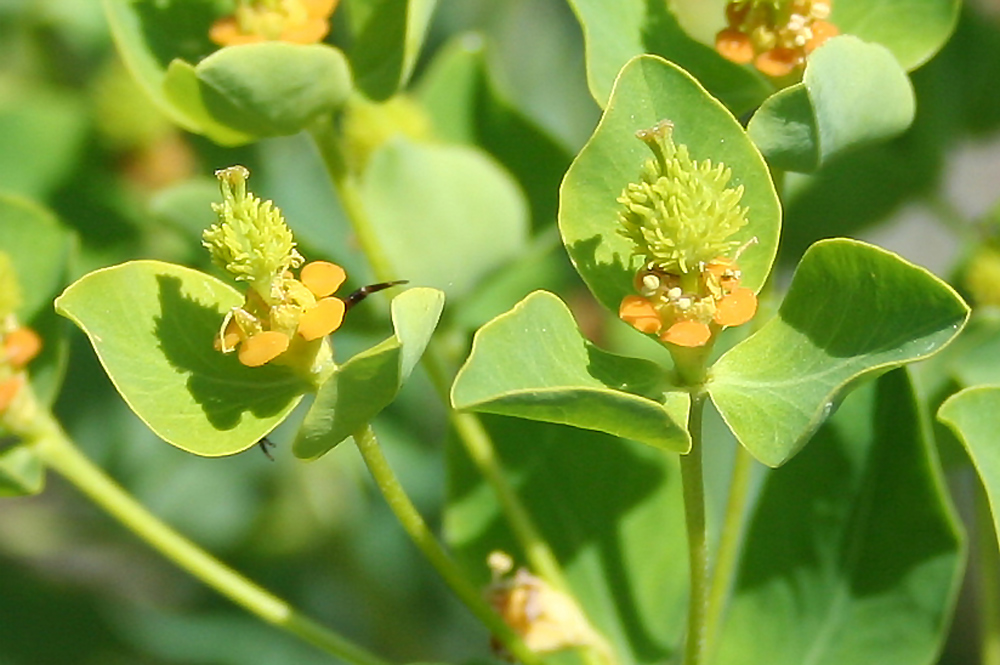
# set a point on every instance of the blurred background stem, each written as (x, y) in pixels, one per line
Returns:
(60, 454)
(471, 433)
(692, 478)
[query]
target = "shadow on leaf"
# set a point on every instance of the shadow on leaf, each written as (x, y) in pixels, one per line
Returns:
(223, 387)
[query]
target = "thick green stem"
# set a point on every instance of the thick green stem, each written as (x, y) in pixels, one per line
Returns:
(471, 433)
(727, 556)
(697, 535)
(62, 456)
(988, 584)
(415, 526)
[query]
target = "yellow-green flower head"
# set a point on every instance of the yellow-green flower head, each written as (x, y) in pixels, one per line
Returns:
(681, 214)
(251, 241)
(10, 288)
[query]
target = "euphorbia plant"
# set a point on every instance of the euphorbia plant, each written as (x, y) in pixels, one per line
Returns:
(581, 537)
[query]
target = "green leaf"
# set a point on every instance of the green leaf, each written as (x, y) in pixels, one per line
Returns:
(852, 310)
(611, 511)
(152, 325)
(854, 554)
(532, 362)
(972, 414)
(21, 472)
(852, 93)
(387, 37)
(186, 95)
(429, 205)
(149, 35)
(648, 90)
(41, 250)
(370, 381)
(618, 30)
(914, 30)
(272, 88)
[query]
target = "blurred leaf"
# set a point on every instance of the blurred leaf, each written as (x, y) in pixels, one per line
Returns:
(272, 88)
(186, 97)
(622, 547)
(187, 205)
(150, 34)
(370, 381)
(972, 415)
(387, 38)
(852, 93)
(41, 250)
(914, 30)
(465, 107)
(648, 90)
(852, 310)
(21, 472)
(854, 554)
(42, 133)
(532, 362)
(618, 30)
(446, 216)
(152, 325)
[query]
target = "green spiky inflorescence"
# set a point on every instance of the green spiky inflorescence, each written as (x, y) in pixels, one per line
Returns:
(251, 241)
(681, 214)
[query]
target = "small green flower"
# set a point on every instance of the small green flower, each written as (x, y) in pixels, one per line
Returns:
(251, 241)
(681, 213)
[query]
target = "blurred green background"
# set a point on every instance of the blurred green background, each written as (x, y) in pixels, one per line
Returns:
(77, 136)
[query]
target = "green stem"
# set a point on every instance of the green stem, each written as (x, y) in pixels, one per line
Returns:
(415, 526)
(729, 544)
(988, 586)
(694, 511)
(62, 456)
(473, 436)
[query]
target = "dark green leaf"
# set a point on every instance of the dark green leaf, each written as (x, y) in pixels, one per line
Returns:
(610, 509)
(648, 90)
(532, 362)
(369, 381)
(852, 93)
(852, 310)
(618, 30)
(854, 554)
(387, 36)
(152, 325)
(914, 30)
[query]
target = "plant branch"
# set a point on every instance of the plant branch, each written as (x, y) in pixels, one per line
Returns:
(697, 536)
(473, 436)
(729, 544)
(61, 455)
(400, 504)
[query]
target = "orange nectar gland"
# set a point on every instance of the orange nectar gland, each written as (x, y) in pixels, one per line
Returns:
(776, 35)
(320, 316)
(295, 21)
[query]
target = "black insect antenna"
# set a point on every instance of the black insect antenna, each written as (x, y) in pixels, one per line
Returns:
(362, 293)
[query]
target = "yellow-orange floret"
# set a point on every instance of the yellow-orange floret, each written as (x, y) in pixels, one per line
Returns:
(263, 348)
(20, 346)
(640, 313)
(322, 319)
(322, 278)
(294, 21)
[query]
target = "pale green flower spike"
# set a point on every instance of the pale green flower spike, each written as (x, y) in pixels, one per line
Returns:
(681, 214)
(10, 288)
(251, 241)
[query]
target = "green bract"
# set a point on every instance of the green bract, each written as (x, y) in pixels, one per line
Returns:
(532, 362)
(852, 310)
(972, 416)
(368, 382)
(647, 91)
(853, 553)
(852, 93)
(153, 326)
(238, 93)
